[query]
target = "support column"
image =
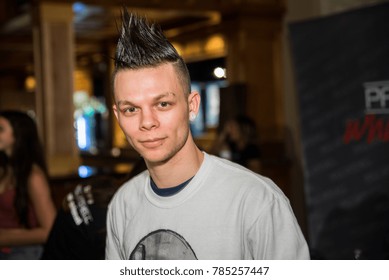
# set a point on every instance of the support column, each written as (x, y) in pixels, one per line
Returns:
(254, 59)
(54, 66)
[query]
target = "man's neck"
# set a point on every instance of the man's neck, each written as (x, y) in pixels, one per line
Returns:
(178, 169)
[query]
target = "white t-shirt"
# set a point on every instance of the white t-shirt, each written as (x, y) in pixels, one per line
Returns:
(225, 212)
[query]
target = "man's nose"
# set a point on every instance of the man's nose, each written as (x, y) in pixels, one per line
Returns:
(149, 119)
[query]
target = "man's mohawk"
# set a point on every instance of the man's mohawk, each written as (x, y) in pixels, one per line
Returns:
(141, 44)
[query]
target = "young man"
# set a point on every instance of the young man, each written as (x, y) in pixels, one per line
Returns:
(188, 204)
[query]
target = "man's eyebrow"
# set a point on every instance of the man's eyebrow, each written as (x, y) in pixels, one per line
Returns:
(155, 98)
(125, 102)
(163, 95)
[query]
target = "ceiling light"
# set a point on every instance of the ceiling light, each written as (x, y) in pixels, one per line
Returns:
(219, 72)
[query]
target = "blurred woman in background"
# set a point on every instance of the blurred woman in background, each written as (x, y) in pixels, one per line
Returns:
(27, 210)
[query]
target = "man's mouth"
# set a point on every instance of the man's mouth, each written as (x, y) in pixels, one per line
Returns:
(152, 143)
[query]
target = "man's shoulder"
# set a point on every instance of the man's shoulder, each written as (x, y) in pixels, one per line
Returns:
(231, 169)
(133, 185)
(240, 177)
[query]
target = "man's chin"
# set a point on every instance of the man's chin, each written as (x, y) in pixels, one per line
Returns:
(155, 159)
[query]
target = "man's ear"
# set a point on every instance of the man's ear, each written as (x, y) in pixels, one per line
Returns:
(115, 111)
(194, 101)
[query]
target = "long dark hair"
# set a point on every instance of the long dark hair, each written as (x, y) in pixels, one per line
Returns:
(26, 152)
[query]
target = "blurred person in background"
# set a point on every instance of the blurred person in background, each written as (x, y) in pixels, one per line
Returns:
(238, 142)
(27, 210)
(79, 229)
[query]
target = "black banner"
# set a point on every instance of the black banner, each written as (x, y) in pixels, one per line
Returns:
(341, 67)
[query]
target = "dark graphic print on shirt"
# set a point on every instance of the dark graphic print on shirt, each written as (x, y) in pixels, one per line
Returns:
(163, 245)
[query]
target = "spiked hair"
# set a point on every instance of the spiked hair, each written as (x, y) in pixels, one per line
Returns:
(142, 45)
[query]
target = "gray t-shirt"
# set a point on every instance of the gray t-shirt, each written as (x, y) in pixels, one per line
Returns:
(225, 212)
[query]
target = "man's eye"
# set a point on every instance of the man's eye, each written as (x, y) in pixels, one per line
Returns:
(129, 110)
(164, 104)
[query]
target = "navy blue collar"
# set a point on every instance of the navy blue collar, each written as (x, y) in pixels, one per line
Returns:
(168, 191)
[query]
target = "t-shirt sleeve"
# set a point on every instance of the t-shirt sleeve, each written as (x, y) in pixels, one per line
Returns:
(276, 235)
(112, 247)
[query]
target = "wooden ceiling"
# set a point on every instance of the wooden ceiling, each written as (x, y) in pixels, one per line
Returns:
(95, 22)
